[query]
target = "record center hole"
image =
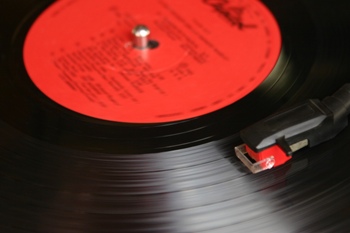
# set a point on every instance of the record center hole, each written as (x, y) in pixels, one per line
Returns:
(151, 44)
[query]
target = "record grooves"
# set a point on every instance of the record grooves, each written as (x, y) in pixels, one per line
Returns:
(61, 171)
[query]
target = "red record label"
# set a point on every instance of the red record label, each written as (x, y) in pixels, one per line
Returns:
(211, 53)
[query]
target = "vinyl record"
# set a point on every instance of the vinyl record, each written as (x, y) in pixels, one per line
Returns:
(281, 85)
(65, 169)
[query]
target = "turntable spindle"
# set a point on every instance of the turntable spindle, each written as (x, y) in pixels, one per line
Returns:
(141, 36)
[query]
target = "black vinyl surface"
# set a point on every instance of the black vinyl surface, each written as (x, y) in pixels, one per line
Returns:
(63, 172)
